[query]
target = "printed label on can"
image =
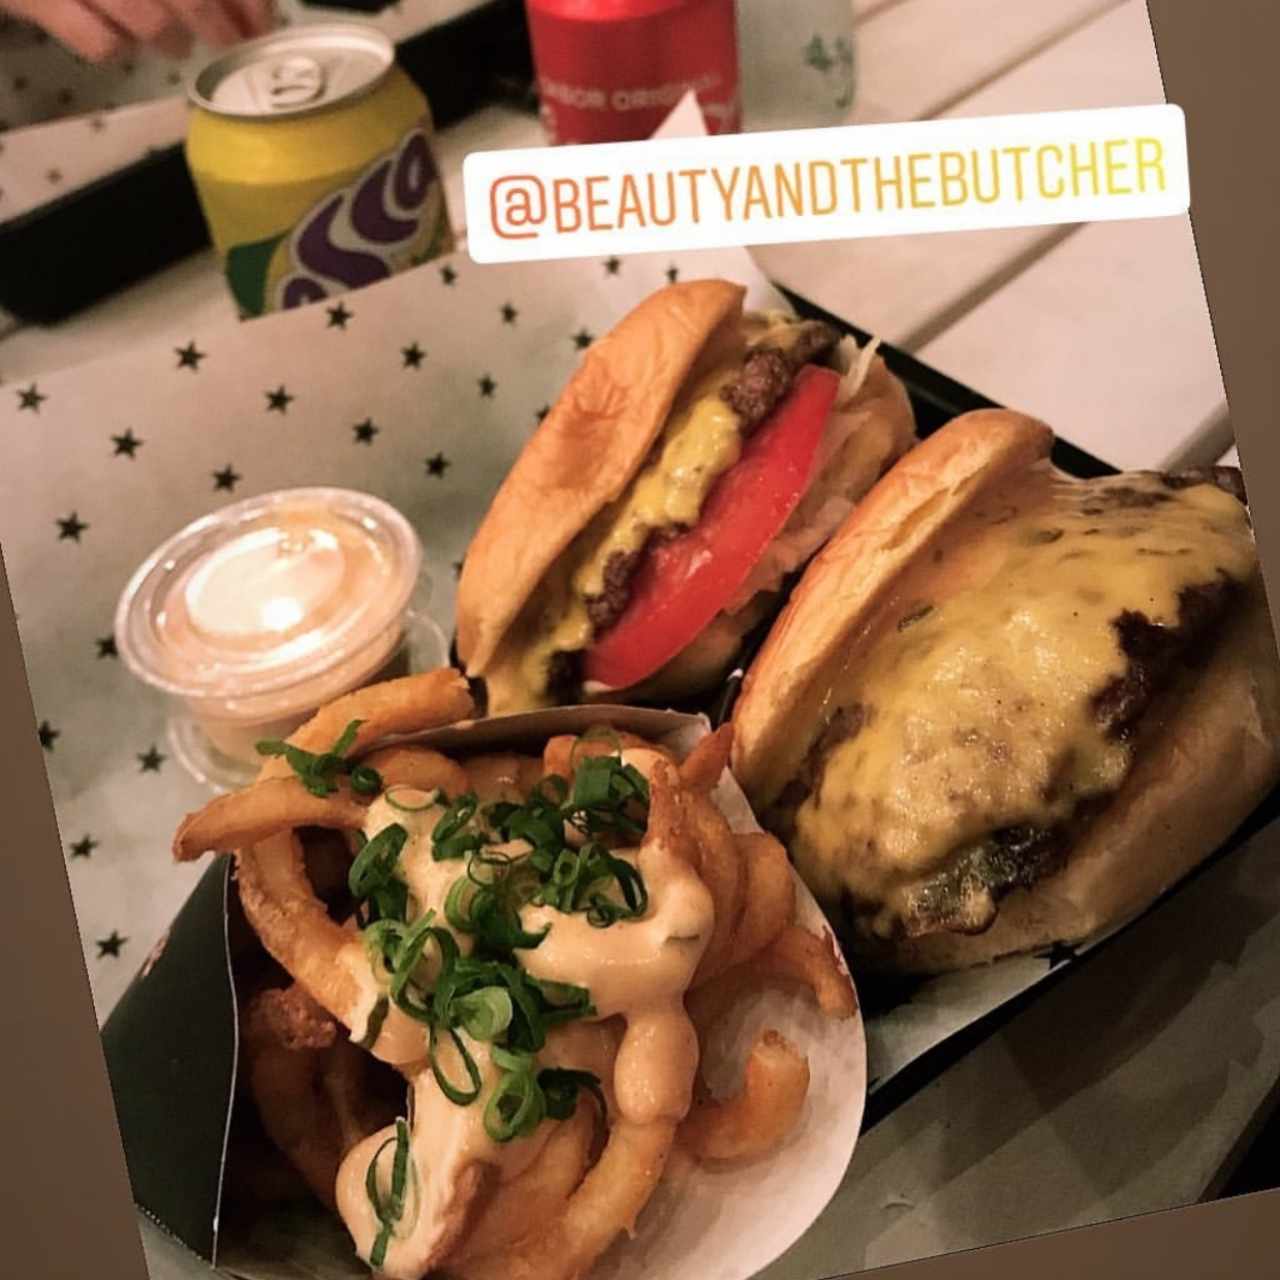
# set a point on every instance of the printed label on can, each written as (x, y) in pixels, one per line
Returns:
(390, 218)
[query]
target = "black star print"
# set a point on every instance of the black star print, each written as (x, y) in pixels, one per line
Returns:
(582, 339)
(448, 275)
(151, 759)
(673, 274)
(487, 386)
(83, 847)
(128, 444)
(71, 527)
(457, 568)
(48, 735)
(189, 357)
(278, 400)
(1058, 954)
(110, 945)
(227, 478)
(413, 356)
(437, 464)
(542, 413)
(338, 317)
(509, 313)
(107, 647)
(31, 398)
(365, 431)
(612, 265)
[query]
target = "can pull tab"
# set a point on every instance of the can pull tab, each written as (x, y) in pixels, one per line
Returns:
(292, 82)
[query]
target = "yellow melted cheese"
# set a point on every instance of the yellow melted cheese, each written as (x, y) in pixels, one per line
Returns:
(702, 439)
(979, 714)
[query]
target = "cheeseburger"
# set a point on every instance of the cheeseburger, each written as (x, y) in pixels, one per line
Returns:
(698, 457)
(1006, 708)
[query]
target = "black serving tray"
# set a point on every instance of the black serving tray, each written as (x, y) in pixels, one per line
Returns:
(91, 242)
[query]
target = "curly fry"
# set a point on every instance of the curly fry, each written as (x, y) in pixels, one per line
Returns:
(294, 926)
(564, 750)
(517, 1208)
(309, 1086)
(704, 765)
(503, 777)
(405, 766)
(757, 1119)
(606, 1204)
(721, 868)
(262, 810)
(770, 899)
(289, 1017)
(411, 704)
(800, 956)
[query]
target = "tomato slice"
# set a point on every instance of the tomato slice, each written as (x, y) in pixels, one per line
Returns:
(683, 584)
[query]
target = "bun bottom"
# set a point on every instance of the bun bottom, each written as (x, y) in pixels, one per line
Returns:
(1200, 774)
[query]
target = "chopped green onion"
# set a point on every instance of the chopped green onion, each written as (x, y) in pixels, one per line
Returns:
(485, 1014)
(511, 1059)
(450, 839)
(516, 1107)
(389, 1211)
(458, 1096)
(365, 781)
(560, 1087)
(458, 903)
(376, 862)
(316, 772)
(373, 1028)
(433, 798)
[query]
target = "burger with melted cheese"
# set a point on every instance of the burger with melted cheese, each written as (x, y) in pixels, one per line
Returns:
(696, 460)
(1006, 708)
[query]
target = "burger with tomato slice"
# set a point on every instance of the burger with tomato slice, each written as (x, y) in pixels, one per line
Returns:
(696, 460)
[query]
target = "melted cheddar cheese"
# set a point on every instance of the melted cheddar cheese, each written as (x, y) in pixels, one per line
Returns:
(974, 709)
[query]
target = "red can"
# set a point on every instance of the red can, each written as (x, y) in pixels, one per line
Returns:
(612, 70)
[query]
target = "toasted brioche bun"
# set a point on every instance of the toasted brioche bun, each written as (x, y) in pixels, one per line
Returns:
(928, 487)
(1208, 753)
(584, 454)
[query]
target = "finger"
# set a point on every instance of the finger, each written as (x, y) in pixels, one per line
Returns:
(208, 20)
(148, 22)
(254, 17)
(79, 28)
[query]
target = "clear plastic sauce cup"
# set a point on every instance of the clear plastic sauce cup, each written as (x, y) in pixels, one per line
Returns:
(254, 616)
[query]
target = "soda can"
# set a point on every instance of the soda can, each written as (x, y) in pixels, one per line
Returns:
(612, 70)
(311, 154)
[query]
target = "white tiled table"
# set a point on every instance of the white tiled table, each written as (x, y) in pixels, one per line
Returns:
(1132, 1085)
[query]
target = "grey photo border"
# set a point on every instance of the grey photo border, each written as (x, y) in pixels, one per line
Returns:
(64, 1190)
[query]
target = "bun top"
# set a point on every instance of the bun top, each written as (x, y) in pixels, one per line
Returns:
(584, 453)
(927, 489)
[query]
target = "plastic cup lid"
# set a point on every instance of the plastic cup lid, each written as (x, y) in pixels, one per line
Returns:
(267, 593)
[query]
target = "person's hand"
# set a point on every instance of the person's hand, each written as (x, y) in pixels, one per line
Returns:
(100, 30)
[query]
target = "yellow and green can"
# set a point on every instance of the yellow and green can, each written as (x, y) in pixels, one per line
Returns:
(311, 152)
